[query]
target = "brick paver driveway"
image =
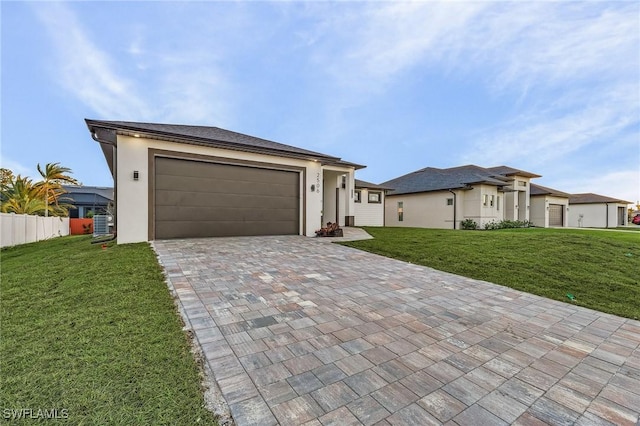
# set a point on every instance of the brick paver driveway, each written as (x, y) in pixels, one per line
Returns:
(299, 331)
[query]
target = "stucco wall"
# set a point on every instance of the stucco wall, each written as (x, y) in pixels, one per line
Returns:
(539, 214)
(133, 198)
(594, 215)
(472, 202)
(425, 210)
(369, 214)
(430, 209)
(517, 204)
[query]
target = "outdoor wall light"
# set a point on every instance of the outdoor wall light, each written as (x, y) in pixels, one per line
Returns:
(313, 188)
(136, 175)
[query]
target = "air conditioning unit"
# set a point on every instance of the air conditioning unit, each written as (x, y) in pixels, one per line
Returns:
(100, 225)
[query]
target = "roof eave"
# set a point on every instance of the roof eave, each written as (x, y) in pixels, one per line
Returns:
(124, 130)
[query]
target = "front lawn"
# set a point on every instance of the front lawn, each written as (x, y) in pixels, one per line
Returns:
(600, 268)
(93, 335)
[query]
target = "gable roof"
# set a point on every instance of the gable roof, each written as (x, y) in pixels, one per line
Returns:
(543, 190)
(369, 185)
(105, 132)
(434, 179)
(87, 195)
(590, 198)
(510, 171)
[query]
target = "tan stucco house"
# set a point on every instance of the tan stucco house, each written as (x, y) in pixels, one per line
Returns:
(597, 211)
(369, 203)
(181, 181)
(549, 207)
(442, 198)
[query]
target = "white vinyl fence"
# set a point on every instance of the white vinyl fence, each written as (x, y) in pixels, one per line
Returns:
(18, 229)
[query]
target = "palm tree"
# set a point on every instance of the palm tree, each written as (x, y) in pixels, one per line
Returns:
(21, 196)
(53, 176)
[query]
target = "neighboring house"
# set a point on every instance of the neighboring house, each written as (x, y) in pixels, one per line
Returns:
(369, 201)
(442, 198)
(85, 199)
(549, 207)
(179, 181)
(597, 211)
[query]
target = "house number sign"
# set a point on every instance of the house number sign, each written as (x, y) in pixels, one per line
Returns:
(318, 183)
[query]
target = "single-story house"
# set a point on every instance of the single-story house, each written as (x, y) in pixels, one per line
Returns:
(549, 207)
(597, 211)
(369, 203)
(85, 199)
(182, 181)
(442, 198)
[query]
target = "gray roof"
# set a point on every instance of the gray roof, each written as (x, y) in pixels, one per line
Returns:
(543, 190)
(87, 195)
(103, 191)
(433, 179)
(590, 198)
(369, 185)
(211, 136)
(510, 171)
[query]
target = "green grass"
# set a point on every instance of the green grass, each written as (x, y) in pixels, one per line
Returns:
(94, 332)
(600, 268)
(629, 228)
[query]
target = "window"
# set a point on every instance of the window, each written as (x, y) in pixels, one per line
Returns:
(449, 201)
(498, 202)
(492, 200)
(375, 197)
(400, 211)
(357, 196)
(522, 183)
(485, 199)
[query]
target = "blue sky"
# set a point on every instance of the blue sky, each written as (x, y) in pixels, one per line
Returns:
(548, 87)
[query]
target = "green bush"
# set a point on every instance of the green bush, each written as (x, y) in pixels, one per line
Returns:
(469, 224)
(507, 224)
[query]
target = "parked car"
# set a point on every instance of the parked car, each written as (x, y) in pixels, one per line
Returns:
(636, 219)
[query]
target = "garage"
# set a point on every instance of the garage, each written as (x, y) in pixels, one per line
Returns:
(204, 199)
(556, 215)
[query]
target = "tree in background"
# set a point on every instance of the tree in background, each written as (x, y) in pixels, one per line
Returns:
(21, 195)
(53, 176)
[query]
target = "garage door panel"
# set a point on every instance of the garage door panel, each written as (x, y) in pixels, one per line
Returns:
(202, 170)
(223, 214)
(556, 215)
(199, 199)
(210, 185)
(223, 229)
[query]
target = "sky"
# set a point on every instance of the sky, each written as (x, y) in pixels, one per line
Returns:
(548, 87)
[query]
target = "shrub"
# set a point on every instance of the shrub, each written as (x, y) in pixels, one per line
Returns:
(507, 224)
(469, 224)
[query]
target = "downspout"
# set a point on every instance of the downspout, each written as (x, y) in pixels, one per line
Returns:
(607, 215)
(454, 208)
(113, 143)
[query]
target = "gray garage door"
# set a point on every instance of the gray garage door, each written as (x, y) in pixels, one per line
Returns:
(198, 199)
(556, 217)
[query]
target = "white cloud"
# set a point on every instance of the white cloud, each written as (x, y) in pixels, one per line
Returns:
(167, 83)
(85, 70)
(16, 167)
(623, 184)
(543, 135)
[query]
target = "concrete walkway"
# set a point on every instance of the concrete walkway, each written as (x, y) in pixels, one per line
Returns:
(301, 332)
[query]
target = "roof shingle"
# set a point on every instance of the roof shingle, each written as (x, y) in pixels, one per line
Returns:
(434, 179)
(590, 198)
(211, 136)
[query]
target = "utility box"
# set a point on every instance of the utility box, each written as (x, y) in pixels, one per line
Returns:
(100, 225)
